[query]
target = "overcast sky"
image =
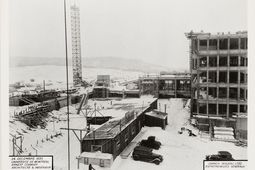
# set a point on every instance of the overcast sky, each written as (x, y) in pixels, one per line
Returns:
(151, 30)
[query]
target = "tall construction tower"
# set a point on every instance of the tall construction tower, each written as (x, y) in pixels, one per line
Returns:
(76, 45)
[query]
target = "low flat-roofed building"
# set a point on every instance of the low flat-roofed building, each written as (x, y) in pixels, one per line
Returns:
(114, 135)
(156, 118)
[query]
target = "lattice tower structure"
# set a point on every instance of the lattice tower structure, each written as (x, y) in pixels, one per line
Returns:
(76, 45)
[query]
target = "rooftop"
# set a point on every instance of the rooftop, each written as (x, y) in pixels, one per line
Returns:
(167, 76)
(202, 34)
(125, 111)
(158, 114)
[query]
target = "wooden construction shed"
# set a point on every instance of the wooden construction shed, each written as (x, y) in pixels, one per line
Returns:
(113, 136)
(95, 158)
(156, 118)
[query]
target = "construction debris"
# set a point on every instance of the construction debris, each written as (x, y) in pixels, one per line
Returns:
(34, 116)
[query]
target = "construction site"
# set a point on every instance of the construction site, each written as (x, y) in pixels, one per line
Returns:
(102, 122)
(218, 66)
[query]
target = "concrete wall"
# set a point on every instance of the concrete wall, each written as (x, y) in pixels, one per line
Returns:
(241, 128)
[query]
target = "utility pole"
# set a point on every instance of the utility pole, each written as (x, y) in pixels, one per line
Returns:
(67, 88)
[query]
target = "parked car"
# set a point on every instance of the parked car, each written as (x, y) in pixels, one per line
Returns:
(145, 154)
(151, 143)
(221, 156)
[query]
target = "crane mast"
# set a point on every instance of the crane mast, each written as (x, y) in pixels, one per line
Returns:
(76, 45)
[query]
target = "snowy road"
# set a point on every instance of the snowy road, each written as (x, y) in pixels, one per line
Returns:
(180, 152)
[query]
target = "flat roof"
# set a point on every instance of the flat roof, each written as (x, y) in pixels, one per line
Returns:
(202, 35)
(157, 114)
(166, 76)
(124, 111)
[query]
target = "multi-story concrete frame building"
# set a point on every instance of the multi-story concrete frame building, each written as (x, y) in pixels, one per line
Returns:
(218, 66)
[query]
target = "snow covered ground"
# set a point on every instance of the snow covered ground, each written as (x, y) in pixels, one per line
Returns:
(56, 75)
(180, 151)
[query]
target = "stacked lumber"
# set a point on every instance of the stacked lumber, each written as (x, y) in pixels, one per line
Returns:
(34, 116)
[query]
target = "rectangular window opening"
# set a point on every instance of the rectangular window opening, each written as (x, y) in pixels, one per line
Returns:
(222, 109)
(213, 44)
(212, 109)
(233, 93)
(212, 93)
(243, 43)
(202, 108)
(243, 108)
(202, 44)
(242, 61)
(233, 77)
(232, 110)
(233, 43)
(213, 61)
(203, 62)
(242, 78)
(233, 61)
(222, 77)
(222, 92)
(223, 44)
(203, 77)
(223, 61)
(242, 94)
(95, 148)
(212, 77)
(202, 93)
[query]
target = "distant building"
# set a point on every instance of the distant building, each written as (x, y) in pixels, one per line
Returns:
(218, 67)
(103, 80)
(166, 85)
(101, 88)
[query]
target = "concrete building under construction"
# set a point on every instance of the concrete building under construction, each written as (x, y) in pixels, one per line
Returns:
(166, 85)
(218, 67)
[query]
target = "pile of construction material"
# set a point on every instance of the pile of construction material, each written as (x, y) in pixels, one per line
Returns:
(34, 116)
(223, 133)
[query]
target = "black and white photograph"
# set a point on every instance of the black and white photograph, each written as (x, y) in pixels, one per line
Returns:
(126, 84)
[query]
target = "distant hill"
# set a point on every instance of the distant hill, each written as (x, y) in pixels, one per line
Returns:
(95, 62)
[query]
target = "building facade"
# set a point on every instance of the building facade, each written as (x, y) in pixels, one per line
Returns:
(166, 85)
(218, 67)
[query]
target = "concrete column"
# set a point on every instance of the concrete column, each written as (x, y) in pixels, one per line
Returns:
(175, 88)
(217, 108)
(207, 77)
(238, 80)
(228, 110)
(245, 94)
(207, 109)
(198, 44)
(228, 79)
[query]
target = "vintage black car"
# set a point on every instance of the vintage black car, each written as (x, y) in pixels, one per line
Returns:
(151, 143)
(145, 154)
(221, 156)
